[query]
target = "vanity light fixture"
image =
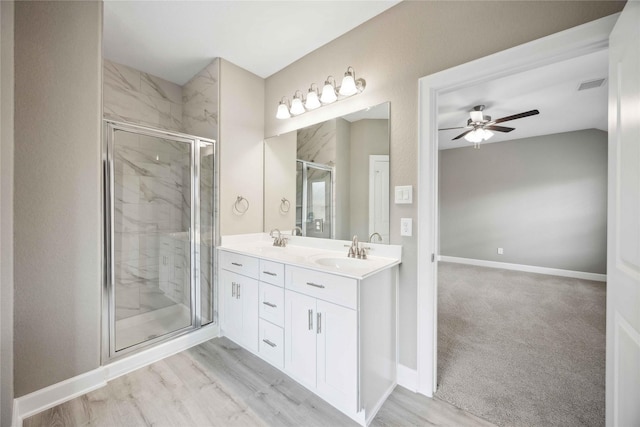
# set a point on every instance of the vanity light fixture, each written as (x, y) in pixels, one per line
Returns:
(330, 93)
(297, 107)
(312, 101)
(348, 86)
(283, 109)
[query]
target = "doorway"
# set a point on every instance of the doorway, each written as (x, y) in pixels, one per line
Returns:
(572, 43)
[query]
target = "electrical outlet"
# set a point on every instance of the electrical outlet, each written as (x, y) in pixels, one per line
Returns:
(406, 225)
(500, 251)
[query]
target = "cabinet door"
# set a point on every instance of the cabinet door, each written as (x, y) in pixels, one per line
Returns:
(300, 337)
(248, 290)
(232, 316)
(337, 341)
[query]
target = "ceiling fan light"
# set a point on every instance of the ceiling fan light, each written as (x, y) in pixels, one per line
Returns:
(474, 136)
(487, 134)
(328, 92)
(476, 116)
(283, 110)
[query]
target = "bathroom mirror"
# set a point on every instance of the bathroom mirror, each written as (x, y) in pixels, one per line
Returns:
(331, 179)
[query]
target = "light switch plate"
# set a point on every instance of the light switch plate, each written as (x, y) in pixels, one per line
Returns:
(403, 194)
(406, 226)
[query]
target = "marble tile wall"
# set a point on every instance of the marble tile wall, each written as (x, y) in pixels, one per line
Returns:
(132, 96)
(200, 102)
(149, 194)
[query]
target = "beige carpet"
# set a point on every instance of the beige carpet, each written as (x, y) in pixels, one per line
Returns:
(521, 349)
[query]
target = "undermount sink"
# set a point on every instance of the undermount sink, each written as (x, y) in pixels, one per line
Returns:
(341, 263)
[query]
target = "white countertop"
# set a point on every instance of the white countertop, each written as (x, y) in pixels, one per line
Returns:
(325, 255)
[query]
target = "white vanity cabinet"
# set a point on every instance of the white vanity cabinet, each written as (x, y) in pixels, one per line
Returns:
(240, 292)
(333, 333)
(321, 337)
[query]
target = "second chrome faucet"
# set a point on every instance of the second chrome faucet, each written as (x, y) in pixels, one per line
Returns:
(355, 251)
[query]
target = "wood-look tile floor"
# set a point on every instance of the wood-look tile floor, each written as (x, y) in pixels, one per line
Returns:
(220, 384)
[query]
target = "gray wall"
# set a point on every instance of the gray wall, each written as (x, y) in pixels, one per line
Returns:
(367, 137)
(6, 212)
(542, 199)
(58, 69)
(392, 51)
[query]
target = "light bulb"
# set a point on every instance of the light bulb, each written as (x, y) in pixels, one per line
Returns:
(296, 106)
(312, 100)
(476, 116)
(328, 93)
(474, 136)
(348, 86)
(283, 111)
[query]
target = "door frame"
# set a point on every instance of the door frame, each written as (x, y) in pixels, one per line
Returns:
(373, 158)
(574, 42)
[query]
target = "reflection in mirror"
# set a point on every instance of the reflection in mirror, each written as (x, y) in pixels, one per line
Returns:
(338, 174)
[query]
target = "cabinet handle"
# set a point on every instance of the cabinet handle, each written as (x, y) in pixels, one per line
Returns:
(236, 264)
(269, 273)
(233, 289)
(319, 330)
(310, 320)
(238, 291)
(315, 285)
(267, 342)
(269, 304)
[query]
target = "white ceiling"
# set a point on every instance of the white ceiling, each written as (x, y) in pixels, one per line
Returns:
(176, 39)
(553, 90)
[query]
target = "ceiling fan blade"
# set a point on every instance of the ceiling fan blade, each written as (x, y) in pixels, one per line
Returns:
(462, 134)
(459, 127)
(499, 128)
(517, 116)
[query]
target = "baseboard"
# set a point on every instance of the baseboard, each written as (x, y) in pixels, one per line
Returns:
(408, 378)
(372, 414)
(55, 394)
(527, 268)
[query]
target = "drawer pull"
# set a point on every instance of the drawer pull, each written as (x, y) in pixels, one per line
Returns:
(315, 285)
(237, 264)
(269, 304)
(267, 342)
(269, 273)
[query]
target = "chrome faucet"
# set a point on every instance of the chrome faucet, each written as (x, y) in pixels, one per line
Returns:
(279, 240)
(295, 230)
(374, 235)
(354, 251)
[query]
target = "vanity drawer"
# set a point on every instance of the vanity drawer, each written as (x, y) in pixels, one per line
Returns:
(271, 346)
(272, 272)
(272, 303)
(242, 264)
(325, 286)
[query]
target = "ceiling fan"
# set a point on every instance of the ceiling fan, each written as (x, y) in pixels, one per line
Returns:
(481, 126)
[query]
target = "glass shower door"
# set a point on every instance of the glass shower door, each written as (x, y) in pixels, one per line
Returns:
(152, 221)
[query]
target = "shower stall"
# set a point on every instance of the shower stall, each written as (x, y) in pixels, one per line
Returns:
(160, 232)
(314, 199)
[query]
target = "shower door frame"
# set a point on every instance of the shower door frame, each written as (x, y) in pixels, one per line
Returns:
(109, 352)
(305, 193)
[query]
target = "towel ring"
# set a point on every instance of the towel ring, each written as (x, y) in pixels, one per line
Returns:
(285, 205)
(241, 205)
